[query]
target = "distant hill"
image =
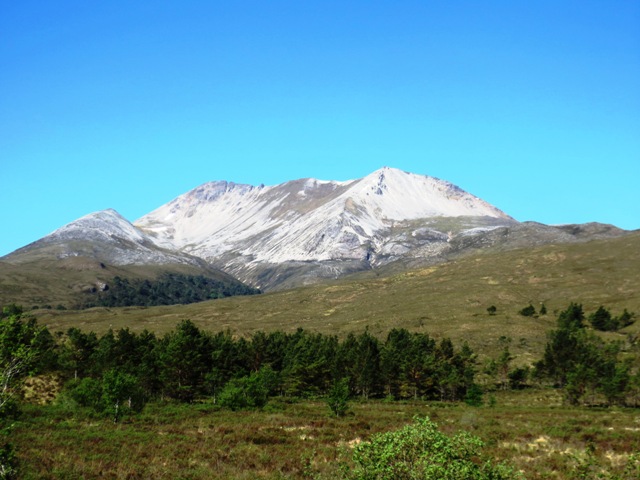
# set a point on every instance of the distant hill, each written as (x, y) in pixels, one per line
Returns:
(446, 300)
(101, 259)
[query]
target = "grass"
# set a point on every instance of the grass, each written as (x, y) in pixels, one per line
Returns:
(530, 429)
(448, 300)
(300, 439)
(39, 281)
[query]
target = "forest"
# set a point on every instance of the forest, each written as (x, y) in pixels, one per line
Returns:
(168, 289)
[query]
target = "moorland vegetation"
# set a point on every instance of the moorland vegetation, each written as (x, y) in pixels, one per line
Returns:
(137, 382)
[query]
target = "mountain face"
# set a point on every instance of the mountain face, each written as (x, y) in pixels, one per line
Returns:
(106, 236)
(295, 233)
(79, 264)
(311, 228)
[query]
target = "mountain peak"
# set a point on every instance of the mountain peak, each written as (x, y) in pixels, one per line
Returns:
(299, 231)
(101, 224)
(105, 236)
(240, 227)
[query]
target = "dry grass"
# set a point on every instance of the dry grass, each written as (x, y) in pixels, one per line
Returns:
(449, 300)
(300, 440)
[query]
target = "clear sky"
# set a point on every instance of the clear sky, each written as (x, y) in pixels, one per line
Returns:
(533, 106)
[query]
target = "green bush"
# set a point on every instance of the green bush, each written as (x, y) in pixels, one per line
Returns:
(528, 311)
(115, 395)
(473, 398)
(246, 392)
(421, 451)
(338, 397)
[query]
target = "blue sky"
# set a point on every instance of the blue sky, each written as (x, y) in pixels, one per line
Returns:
(533, 106)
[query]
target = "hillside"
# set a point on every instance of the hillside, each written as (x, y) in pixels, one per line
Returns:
(78, 281)
(445, 300)
(78, 263)
(280, 237)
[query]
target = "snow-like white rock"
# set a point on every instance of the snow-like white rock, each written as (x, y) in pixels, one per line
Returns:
(304, 220)
(112, 238)
(103, 225)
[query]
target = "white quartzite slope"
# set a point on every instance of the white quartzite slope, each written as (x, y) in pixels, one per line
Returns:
(305, 220)
(300, 231)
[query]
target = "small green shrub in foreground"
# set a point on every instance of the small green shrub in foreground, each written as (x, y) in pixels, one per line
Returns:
(421, 451)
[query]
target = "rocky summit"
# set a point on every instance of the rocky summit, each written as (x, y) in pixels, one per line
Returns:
(302, 231)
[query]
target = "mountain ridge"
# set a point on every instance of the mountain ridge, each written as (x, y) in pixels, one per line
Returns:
(300, 232)
(341, 226)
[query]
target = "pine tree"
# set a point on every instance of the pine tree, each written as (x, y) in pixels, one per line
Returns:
(338, 397)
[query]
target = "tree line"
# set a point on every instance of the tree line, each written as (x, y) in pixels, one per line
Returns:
(168, 289)
(189, 363)
(118, 372)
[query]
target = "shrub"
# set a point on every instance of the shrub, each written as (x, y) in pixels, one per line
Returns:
(246, 392)
(338, 397)
(421, 451)
(473, 398)
(528, 311)
(115, 395)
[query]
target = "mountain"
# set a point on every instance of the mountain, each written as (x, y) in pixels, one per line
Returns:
(78, 262)
(295, 232)
(282, 236)
(106, 236)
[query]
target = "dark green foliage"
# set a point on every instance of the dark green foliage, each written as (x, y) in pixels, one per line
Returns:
(86, 392)
(229, 359)
(518, 377)
(121, 394)
(338, 397)
(359, 359)
(528, 311)
(307, 364)
(394, 363)
(568, 346)
(75, 354)
(543, 309)
(184, 357)
(625, 319)
(422, 451)
(413, 365)
(251, 391)
(115, 395)
(492, 310)
(602, 320)
(572, 318)
(188, 363)
(473, 398)
(576, 359)
(169, 289)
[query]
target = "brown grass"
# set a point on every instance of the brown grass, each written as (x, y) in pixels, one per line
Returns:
(300, 439)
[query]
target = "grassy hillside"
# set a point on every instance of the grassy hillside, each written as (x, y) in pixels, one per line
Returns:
(67, 282)
(449, 300)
